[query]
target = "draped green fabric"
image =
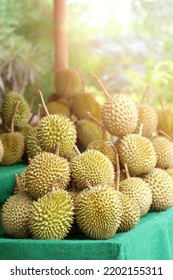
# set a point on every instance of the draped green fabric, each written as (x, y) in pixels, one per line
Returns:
(151, 239)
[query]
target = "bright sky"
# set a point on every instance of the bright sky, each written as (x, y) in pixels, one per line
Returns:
(101, 11)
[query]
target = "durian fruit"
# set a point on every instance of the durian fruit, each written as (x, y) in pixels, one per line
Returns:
(131, 212)
(8, 106)
(164, 152)
(52, 216)
(119, 113)
(58, 107)
(139, 190)
(98, 211)
(55, 129)
(44, 170)
(87, 132)
(147, 115)
(13, 143)
(92, 166)
(161, 185)
(25, 130)
(165, 117)
(83, 103)
(15, 215)
(69, 82)
(130, 206)
(1, 150)
(32, 144)
(137, 152)
(104, 146)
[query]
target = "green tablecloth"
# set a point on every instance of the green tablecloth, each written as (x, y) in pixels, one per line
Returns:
(151, 239)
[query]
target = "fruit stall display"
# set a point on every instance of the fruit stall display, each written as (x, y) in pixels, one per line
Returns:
(88, 170)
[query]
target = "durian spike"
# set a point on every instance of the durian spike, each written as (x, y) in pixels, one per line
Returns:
(57, 147)
(140, 129)
(77, 150)
(99, 123)
(43, 103)
(18, 183)
(146, 94)
(103, 88)
(89, 186)
(30, 160)
(39, 113)
(126, 171)
(161, 103)
(14, 115)
(161, 132)
(32, 100)
(82, 79)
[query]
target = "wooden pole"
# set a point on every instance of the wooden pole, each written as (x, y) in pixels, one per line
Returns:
(60, 36)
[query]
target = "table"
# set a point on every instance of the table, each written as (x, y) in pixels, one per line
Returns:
(151, 239)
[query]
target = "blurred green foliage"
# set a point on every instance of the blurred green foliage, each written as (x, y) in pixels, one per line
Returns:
(126, 61)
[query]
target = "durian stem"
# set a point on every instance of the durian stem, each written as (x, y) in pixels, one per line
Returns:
(140, 129)
(82, 79)
(127, 171)
(161, 103)
(57, 147)
(43, 103)
(32, 100)
(99, 123)
(18, 183)
(146, 94)
(39, 113)
(117, 172)
(77, 150)
(14, 115)
(103, 88)
(164, 134)
(89, 186)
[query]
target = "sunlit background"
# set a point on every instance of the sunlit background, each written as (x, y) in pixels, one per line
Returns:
(128, 43)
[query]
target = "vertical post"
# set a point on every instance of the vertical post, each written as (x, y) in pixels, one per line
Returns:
(60, 36)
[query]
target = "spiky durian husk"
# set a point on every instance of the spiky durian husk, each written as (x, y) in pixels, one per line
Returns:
(14, 144)
(137, 152)
(131, 212)
(15, 214)
(147, 115)
(104, 147)
(170, 172)
(83, 103)
(32, 144)
(52, 216)
(98, 211)
(87, 132)
(165, 122)
(58, 107)
(56, 129)
(1, 150)
(119, 115)
(91, 166)
(164, 152)
(138, 189)
(8, 106)
(161, 185)
(45, 171)
(68, 83)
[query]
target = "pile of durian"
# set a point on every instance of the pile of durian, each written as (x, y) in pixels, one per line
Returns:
(91, 169)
